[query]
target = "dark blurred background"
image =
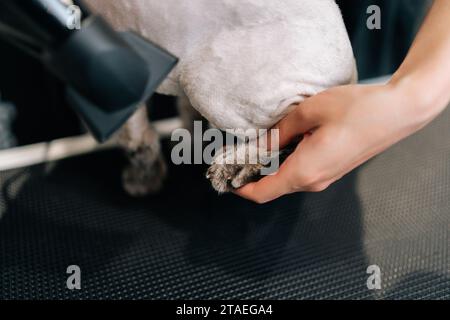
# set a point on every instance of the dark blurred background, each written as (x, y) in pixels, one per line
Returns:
(43, 114)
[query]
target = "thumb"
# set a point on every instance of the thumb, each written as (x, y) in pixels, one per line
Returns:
(302, 119)
(266, 189)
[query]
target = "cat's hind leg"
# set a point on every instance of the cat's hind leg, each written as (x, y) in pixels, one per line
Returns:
(147, 169)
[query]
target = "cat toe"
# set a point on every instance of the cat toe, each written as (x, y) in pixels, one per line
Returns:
(228, 177)
(220, 176)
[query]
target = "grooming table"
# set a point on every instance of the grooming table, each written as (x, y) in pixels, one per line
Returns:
(189, 243)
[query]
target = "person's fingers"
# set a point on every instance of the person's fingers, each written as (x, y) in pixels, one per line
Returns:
(301, 120)
(266, 189)
(312, 168)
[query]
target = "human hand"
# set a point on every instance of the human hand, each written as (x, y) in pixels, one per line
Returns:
(345, 126)
(342, 128)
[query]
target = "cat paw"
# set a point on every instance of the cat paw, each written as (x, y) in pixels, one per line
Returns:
(239, 165)
(228, 177)
(143, 180)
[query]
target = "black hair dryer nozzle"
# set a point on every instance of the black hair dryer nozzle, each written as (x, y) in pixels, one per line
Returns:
(108, 74)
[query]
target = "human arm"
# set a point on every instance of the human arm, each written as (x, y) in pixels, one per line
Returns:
(344, 127)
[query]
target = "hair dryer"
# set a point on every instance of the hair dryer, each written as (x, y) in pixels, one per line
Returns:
(108, 74)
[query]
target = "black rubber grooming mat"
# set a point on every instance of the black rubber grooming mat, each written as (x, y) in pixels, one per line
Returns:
(189, 243)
